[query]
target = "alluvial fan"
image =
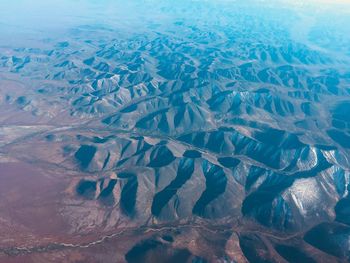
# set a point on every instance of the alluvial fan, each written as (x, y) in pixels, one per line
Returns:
(175, 131)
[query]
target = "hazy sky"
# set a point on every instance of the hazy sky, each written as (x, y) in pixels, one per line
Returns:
(50, 16)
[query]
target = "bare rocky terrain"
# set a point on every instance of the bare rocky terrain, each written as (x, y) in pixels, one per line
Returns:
(197, 132)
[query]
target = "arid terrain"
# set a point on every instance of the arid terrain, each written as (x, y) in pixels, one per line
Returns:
(195, 131)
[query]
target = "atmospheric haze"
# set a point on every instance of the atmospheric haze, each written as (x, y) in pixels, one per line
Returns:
(174, 131)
